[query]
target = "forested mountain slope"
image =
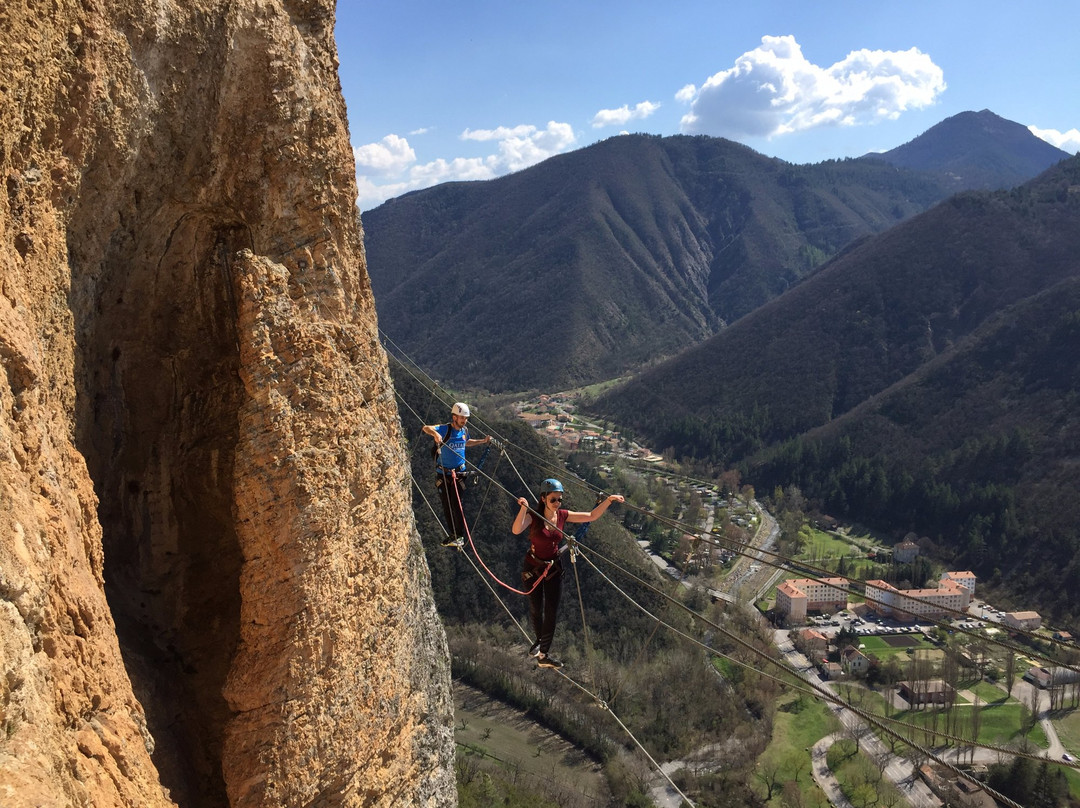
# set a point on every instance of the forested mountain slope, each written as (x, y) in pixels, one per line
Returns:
(927, 379)
(605, 259)
(977, 151)
(599, 261)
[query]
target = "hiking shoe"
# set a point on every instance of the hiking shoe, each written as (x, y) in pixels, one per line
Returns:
(453, 541)
(548, 661)
(534, 649)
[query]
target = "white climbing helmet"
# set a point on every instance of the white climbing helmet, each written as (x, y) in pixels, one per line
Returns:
(461, 408)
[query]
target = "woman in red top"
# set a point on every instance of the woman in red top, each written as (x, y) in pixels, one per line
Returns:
(545, 526)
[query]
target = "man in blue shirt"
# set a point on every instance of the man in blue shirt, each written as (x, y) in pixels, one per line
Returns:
(451, 440)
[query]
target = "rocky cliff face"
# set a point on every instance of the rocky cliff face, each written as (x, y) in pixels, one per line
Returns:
(211, 590)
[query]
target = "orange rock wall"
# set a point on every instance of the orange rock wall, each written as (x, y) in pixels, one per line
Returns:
(211, 588)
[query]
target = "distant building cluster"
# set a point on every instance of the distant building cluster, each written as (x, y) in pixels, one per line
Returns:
(797, 597)
(553, 416)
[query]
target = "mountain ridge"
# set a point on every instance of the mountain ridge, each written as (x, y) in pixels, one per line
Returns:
(615, 256)
(979, 150)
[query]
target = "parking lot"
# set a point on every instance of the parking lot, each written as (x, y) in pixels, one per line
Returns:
(869, 625)
(872, 624)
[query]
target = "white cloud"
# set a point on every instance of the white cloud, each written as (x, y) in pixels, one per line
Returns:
(686, 94)
(391, 167)
(775, 90)
(499, 133)
(521, 151)
(623, 115)
(390, 155)
(1066, 141)
(460, 168)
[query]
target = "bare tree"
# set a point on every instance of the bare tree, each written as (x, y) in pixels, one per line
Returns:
(976, 723)
(1010, 671)
(792, 796)
(1033, 706)
(882, 763)
(768, 773)
(797, 763)
(890, 799)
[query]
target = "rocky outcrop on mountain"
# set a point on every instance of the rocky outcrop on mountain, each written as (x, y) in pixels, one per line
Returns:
(211, 587)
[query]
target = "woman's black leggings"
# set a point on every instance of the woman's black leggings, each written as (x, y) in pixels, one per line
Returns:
(544, 600)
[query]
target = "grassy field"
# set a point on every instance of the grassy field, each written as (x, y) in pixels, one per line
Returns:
(826, 545)
(860, 780)
(826, 549)
(990, 694)
(1068, 730)
(899, 645)
(527, 753)
(800, 722)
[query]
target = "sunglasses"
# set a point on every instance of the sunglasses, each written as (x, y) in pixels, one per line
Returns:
(555, 499)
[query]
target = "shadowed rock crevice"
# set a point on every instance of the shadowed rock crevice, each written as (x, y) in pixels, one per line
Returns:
(157, 400)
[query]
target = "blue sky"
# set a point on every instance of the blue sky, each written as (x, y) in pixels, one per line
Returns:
(439, 91)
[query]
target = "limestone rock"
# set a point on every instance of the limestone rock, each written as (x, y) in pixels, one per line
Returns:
(211, 588)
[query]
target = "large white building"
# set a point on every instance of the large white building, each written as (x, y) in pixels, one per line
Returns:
(965, 578)
(907, 604)
(799, 595)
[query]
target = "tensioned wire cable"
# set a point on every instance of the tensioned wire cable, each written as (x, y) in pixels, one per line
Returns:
(772, 660)
(755, 555)
(880, 722)
(1009, 802)
(780, 560)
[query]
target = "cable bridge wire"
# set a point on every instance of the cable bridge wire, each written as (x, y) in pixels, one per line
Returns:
(782, 561)
(525, 634)
(882, 723)
(818, 692)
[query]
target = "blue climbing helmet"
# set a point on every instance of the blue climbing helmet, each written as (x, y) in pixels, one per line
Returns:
(549, 485)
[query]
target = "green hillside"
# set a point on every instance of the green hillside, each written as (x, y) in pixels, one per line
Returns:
(925, 380)
(978, 151)
(605, 259)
